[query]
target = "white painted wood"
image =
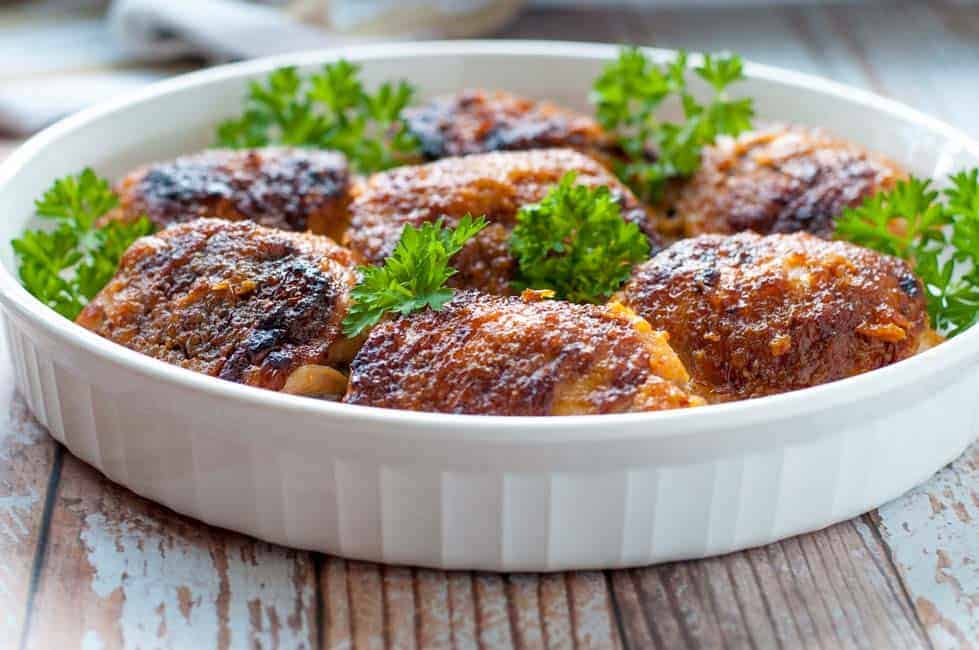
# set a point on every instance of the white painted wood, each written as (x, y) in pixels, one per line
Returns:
(27, 456)
(933, 534)
(120, 572)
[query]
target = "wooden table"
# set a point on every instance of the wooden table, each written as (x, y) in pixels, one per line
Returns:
(85, 563)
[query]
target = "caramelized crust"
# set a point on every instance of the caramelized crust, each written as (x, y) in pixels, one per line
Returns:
(780, 179)
(751, 315)
(496, 185)
(491, 355)
(232, 300)
(480, 121)
(290, 189)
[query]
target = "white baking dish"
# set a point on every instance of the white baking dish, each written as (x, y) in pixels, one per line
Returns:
(465, 491)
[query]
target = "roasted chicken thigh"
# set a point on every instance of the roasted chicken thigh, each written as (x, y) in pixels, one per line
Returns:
(780, 179)
(234, 300)
(291, 189)
(753, 315)
(494, 185)
(494, 355)
(480, 121)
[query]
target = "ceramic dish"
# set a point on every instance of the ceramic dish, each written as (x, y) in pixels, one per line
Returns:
(506, 493)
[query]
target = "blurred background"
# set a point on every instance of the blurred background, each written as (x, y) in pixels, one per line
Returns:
(57, 56)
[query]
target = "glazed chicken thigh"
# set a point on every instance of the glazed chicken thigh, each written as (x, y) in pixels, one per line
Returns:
(493, 355)
(480, 121)
(779, 179)
(495, 185)
(750, 315)
(291, 189)
(234, 300)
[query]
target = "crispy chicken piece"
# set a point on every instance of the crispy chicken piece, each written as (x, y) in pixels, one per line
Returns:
(750, 315)
(234, 300)
(480, 121)
(496, 185)
(493, 355)
(290, 189)
(780, 179)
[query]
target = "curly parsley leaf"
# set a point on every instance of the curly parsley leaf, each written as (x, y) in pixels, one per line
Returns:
(627, 96)
(67, 265)
(413, 277)
(329, 110)
(938, 232)
(576, 243)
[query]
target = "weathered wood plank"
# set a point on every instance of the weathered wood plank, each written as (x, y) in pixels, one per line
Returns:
(933, 535)
(592, 617)
(523, 595)
(335, 600)
(27, 457)
(824, 590)
(401, 608)
(555, 612)
(366, 605)
(121, 572)
(462, 611)
(434, 624)
(492, 611)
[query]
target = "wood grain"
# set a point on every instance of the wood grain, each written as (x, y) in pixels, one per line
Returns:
(933, 534)
(834, 588)
(120, 571)
(28, 457)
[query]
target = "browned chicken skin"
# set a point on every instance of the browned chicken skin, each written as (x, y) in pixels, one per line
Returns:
(233, 300)
(492, 355)
(780, 179)
(291, 189)
(751, 315)
(495, 185)
(480, 121)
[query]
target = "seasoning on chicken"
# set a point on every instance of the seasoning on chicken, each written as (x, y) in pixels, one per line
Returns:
(494, 185)
(753, 315)
(493, 355)
(480, 121)
(780, 179)
(290, 189)
(234, 300)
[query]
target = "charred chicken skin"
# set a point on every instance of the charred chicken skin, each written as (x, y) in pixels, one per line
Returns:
(493, 355)
(781, 179)
(233, 300)
(290, 189)
(480, 121)
(495, 185)
(753, 315)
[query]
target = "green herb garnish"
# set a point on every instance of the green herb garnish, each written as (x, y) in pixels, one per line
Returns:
(921, 225)
(413, 277)
(328, 110)
(64, 267)
(627, 95)
(576, 243)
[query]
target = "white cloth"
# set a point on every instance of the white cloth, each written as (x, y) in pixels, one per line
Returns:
(216, 29)
(61, 64)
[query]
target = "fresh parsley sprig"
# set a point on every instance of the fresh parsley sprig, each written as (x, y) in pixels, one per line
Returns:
(938, 232)
(413, 277)
(576, 243)
(65, 266)
(627, 96)
(328, 110)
